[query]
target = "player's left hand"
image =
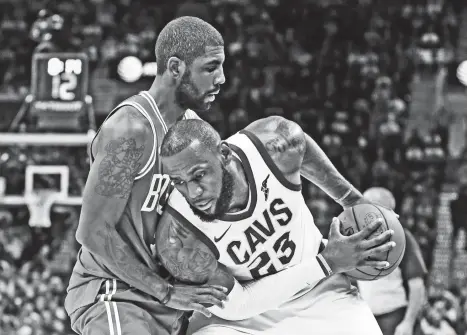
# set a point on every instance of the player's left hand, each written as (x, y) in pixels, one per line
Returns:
(404, 328)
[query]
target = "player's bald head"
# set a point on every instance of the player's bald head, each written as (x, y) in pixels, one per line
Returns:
(381, 196)
(183, 133)
(186, 38)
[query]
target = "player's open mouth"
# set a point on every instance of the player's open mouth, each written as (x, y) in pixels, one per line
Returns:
(204, 206)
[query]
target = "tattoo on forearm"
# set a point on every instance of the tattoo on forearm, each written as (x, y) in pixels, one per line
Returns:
(318, 168)
(186, 258)
(125, 263)
(119, 168)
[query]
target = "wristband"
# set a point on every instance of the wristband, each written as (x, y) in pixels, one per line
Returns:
(349, 191)
(168, 295)
(324, 265)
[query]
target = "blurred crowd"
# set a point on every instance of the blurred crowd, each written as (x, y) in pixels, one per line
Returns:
(342, 71)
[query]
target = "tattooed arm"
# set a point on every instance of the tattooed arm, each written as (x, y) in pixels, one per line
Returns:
(189, 260)
(296, 153)
(120, 153)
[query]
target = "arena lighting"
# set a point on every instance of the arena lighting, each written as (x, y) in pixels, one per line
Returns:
(462, 73)
(131, 69)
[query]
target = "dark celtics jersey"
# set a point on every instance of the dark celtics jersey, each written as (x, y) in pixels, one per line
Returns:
(139, 220)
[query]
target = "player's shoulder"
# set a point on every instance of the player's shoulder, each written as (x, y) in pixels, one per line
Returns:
(275, 125)
(267, 124)
(125, 125)
(126, 121)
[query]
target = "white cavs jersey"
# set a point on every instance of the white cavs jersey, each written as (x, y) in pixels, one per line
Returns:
(274, 231)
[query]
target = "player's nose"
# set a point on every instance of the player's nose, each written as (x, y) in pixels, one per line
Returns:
(220, 79)
(194, 190)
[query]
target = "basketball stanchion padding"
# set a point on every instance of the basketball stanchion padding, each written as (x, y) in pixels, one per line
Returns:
(39, 204)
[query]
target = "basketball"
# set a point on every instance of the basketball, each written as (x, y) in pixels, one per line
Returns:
(357, 218)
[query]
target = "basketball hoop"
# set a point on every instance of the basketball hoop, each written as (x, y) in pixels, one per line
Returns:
(39, 203)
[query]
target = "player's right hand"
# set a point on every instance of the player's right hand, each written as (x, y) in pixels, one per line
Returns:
(193, 298)
(346, 253)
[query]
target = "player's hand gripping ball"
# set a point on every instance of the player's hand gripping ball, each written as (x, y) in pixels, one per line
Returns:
(356, 218)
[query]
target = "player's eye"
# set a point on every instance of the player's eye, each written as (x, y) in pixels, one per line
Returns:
(199, 175)
(212, 68)
(177, 181)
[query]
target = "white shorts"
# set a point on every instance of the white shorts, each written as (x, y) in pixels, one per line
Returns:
(333, 307)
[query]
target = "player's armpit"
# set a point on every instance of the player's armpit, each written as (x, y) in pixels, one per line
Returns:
(120, 152)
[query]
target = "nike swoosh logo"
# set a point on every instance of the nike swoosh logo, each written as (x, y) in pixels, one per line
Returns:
(217, 239)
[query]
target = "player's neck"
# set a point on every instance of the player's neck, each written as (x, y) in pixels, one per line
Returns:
(241, 190)
(164, 96)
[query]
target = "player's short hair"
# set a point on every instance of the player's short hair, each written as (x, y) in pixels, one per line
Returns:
(185, 37)
(183, 133)
(381, 196)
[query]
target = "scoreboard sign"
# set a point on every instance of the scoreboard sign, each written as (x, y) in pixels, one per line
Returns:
(59, 81)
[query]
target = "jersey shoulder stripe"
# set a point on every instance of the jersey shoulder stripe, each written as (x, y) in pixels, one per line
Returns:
(253, 188)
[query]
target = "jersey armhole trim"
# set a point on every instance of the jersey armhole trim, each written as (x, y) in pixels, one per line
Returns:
(253, 190)
(198, 233)
(269, 162)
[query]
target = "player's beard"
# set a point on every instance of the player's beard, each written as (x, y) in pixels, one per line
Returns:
(188, 96)
(221, 207)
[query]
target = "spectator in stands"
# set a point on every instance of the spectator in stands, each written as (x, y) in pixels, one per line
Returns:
(459, 215)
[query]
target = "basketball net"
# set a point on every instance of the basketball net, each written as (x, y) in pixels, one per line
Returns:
(39, 203)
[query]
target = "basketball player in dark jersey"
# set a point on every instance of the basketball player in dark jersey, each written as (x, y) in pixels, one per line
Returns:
(116, 286)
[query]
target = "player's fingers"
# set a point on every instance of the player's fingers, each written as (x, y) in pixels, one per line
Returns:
(200, 308)
(219, 287)
(334, 229)
(379, 265)
(209, 299)
(380, 239)
(367, 231)
(379, 250)
(219, 294)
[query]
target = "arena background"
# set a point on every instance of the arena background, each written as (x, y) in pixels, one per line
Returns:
(375, 83)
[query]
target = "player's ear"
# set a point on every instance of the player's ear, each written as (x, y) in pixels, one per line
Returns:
(176, 67)
(225, 151)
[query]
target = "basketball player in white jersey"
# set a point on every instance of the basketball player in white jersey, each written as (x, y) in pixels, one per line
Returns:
(238, 215)
(116, 286)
